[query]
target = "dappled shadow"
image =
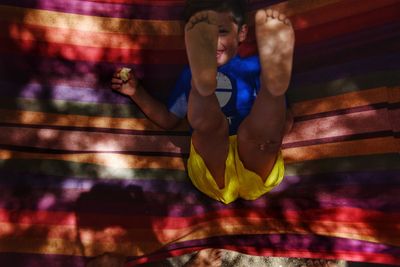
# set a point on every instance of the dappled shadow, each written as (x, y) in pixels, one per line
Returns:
(83, 173)
(107, 218)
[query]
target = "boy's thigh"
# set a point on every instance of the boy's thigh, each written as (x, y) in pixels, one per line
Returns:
(258, 156)
(213, 147)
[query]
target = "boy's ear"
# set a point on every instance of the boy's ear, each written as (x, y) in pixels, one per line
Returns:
(243, 32)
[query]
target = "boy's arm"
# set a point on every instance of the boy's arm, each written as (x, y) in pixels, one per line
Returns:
(155, 110)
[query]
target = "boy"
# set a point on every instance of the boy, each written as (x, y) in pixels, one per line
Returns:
(235, 106)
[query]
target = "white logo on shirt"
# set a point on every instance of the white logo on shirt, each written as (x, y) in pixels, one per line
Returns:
(224, 89)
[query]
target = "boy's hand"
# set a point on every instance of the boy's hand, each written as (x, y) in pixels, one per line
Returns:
(128, 87)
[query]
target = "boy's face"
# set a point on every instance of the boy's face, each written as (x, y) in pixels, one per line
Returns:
(229, 37)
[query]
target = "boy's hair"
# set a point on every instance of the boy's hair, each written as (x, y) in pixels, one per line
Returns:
(237, 7)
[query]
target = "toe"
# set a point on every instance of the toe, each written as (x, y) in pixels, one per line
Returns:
(192, 21)
(275, 14)
(212, 17)
(199, 17)
(261, 16)
(202, 16)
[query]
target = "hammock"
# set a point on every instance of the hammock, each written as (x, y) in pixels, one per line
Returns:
(83, 172)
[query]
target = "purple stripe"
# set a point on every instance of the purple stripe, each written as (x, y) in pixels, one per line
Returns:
(364, 38)
(113, 10)
(96, 94)
(337, 139)
(37, 181)
(62, 92)
(40, 260)
(307, 198)
(180, 198)
(85, 129)
(77, 81)
(327, 190)
(69, 152)
(292, 243)
(164, 204)
(364, 43)
(88, 74)
(289, 185)
(349, 69)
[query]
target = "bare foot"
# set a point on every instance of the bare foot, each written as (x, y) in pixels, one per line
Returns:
(206, 258)
(201, 37)
(275, 41)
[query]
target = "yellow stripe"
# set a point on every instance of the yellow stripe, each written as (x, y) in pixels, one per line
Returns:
(356, 230)
(90, 23)
(371, 146)
(105, 159)
(25, 34)
(344, 101)
(49, 119)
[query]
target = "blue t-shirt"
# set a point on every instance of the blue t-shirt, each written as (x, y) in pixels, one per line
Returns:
(238, 82)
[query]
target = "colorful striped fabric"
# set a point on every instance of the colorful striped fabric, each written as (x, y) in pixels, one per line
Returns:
(83, 172)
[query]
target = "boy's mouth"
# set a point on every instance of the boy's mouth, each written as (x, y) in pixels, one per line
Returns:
(219, 53)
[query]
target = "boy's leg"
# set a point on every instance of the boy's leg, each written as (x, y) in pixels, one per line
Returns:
(201, 38)
(260, 134)
(210, 127)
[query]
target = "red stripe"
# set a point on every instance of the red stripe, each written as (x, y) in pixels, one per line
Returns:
(384, 221)
(348, 25)
(94, 54)
(337, 11)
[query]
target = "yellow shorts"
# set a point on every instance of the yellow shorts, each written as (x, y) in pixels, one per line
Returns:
(239, 182)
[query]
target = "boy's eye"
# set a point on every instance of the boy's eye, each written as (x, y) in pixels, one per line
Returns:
(223, 31)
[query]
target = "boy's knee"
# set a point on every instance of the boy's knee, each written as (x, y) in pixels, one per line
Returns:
(258, 140)
(262, 145)
(212, 125)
